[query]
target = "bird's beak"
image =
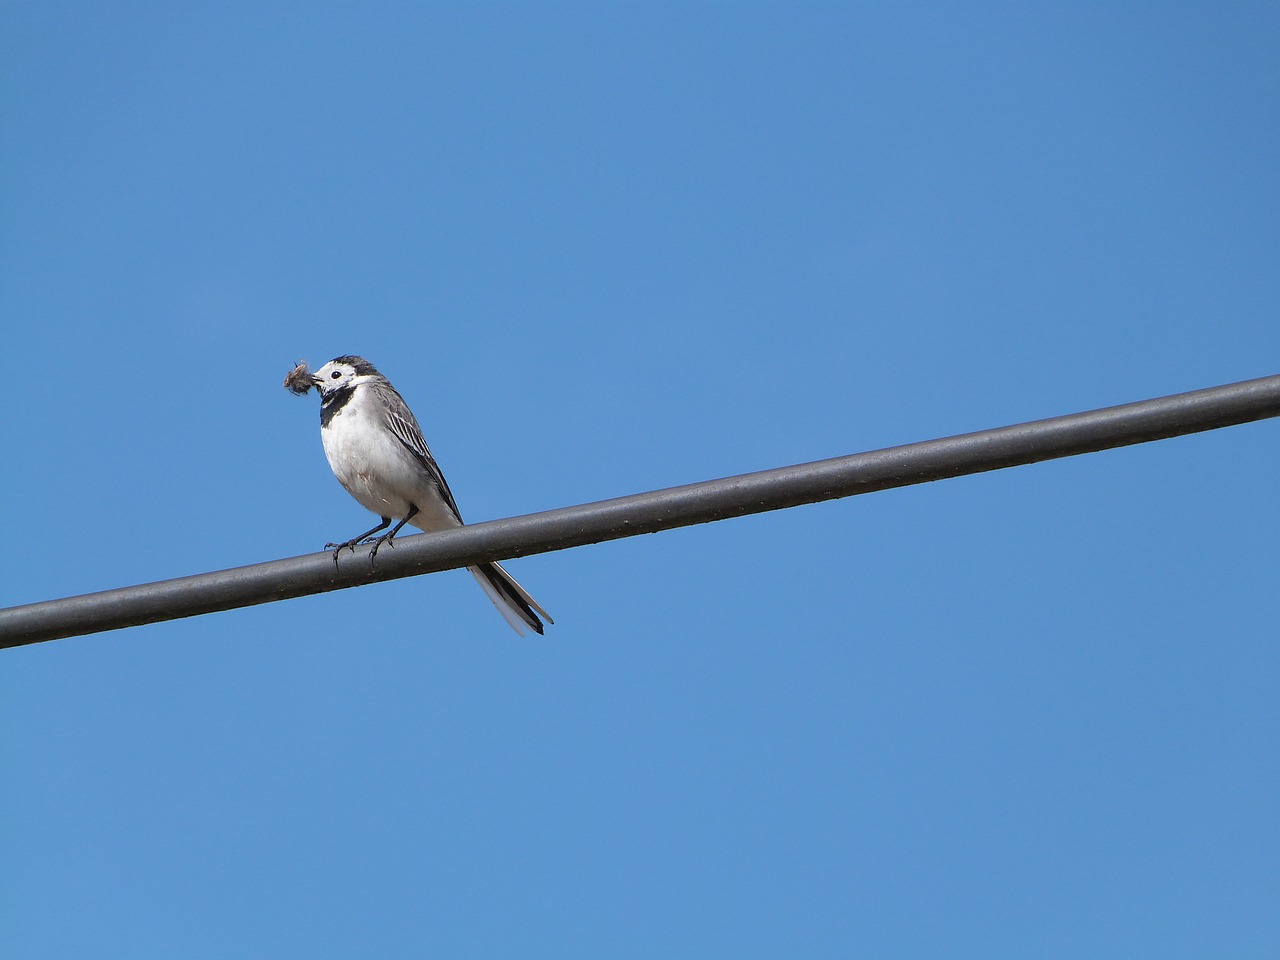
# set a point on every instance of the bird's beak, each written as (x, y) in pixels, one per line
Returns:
(316, 381)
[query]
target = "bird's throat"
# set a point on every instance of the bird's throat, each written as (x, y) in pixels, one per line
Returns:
(332, 403)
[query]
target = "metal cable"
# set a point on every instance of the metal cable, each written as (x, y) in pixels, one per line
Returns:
(629, 516)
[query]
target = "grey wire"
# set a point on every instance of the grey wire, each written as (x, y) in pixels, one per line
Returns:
(629, 516)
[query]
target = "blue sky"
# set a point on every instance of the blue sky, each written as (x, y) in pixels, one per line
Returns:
(603, 249)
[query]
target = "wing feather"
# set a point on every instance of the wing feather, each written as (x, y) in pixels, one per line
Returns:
(404, 426)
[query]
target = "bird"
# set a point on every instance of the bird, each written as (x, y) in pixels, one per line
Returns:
(376, 450)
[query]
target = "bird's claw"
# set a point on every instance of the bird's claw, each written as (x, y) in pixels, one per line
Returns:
(337, 548)
(377, 544)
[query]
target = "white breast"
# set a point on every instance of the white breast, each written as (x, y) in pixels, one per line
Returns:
(377, 470)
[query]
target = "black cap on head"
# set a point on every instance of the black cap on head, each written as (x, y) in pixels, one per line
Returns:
(362, 366)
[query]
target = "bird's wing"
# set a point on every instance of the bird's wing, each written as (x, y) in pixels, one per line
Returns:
(405, 427)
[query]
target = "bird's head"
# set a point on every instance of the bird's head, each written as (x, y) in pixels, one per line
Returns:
(342, 372)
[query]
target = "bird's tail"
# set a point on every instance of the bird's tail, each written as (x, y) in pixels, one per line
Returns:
(515, 605)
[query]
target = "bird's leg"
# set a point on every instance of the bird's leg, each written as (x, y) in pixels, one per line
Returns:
(386, 522)
(390, 535)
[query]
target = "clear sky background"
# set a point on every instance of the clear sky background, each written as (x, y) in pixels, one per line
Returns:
(603, 249)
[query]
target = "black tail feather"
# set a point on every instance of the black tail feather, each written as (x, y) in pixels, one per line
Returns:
(516, 606)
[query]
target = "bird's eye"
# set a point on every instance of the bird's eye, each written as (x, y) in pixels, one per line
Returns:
(335, 375)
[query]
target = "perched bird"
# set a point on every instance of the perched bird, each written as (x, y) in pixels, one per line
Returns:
(376, 450)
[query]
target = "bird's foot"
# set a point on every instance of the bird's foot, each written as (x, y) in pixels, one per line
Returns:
(388, 538)
(337, 548)
(366, 537)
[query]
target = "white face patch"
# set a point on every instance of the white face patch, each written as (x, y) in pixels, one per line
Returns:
(334, 376)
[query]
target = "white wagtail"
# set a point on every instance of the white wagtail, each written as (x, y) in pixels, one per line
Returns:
(376, 450)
